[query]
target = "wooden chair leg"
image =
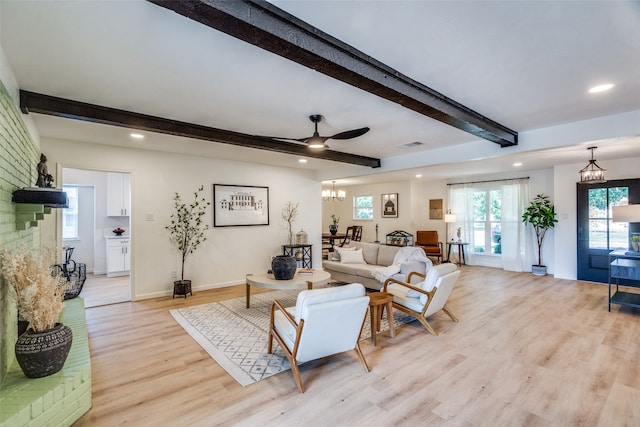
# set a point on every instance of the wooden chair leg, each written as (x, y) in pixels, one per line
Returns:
(296, 375)
(450, 313)
(270, 342)
(361, 357)
(427, 325)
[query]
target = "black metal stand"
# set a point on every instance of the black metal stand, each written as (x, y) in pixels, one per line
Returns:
(302, 254)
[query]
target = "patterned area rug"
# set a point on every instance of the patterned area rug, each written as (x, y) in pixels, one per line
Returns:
(236, 336)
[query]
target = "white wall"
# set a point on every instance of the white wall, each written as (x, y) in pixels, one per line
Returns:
(229, 252)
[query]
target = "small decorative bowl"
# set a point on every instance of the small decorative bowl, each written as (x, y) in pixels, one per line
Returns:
(118, 231)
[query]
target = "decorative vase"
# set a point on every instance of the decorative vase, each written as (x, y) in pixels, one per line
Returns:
(333, 229)
(283, 267)
(41, 354)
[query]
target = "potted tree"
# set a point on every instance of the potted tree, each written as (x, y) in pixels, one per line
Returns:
(542, 216)
(43, 348)
(187, 229)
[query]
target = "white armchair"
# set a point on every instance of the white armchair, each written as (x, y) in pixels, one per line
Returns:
(324, 322)
(425, 298)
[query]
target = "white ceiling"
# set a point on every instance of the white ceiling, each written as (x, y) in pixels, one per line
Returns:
(525, 64)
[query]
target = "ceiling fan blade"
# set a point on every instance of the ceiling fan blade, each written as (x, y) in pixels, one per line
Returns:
(283, 138)
(354, 133)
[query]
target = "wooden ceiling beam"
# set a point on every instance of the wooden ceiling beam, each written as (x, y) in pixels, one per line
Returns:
(31, 102)
(268, 27)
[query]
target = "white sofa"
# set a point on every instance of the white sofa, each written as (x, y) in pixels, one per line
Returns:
(349, 268)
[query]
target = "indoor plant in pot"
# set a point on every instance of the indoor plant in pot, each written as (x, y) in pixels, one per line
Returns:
(333, 227)
(187, 229)
(542, 216)
(43, 349)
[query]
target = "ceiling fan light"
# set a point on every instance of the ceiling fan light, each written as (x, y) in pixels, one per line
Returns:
(317, 145)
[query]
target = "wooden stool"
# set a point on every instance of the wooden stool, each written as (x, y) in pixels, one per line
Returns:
(377, 302)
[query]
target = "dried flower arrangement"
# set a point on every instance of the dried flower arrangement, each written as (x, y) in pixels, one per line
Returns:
(38, 294)
(289, 214)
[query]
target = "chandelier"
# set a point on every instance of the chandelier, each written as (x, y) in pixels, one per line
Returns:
(332, 194)
(592, 173)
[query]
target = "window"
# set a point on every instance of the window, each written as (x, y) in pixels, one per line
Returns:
(603, 232)
(70, 214)
(487, 235)
(362, 207)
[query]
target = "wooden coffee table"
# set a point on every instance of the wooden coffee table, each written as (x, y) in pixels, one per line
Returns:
(299, 281)
(377, 302)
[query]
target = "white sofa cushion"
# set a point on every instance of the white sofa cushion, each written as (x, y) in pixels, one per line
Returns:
(386, 254)
(369, 251)
(352, 257)
(338, 251)
(400, 296)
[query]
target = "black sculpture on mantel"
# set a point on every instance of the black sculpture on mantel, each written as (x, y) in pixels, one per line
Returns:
(44, 178)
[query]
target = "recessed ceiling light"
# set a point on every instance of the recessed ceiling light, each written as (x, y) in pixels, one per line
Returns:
(517, 164)
(302, 160)
(419, 175)
(137, 135)
(601, 88)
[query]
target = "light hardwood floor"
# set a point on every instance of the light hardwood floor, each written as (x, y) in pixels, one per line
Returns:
(527, 351)
(102, 290)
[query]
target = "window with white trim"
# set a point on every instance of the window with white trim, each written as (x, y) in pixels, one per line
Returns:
(362, 207)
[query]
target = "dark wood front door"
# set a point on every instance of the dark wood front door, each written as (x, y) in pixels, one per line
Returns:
(597, 233)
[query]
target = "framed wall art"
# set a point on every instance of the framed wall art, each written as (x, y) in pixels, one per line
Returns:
(390, 205)
(238, 205)
(435, 209)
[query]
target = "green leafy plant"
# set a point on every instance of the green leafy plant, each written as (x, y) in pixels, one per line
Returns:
(635, 238)
(542, 216)
(335, 219)
(187, 226)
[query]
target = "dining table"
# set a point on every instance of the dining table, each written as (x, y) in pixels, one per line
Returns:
(331, 238)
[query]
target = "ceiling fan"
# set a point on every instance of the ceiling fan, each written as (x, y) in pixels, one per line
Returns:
(317, 142)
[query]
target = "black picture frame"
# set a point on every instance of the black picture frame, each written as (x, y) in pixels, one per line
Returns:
(240, 205)
(390, 205)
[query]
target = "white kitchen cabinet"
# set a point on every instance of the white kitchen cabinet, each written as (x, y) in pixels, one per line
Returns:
(118, 256)
(118, 194)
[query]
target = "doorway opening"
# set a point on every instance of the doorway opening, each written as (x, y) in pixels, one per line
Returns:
(99, 204)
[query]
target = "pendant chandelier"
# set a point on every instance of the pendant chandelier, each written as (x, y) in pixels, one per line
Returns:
(332, 194)
(592, 173)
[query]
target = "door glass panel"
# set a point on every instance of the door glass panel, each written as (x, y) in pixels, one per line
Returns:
(603, 232)
(618, 231)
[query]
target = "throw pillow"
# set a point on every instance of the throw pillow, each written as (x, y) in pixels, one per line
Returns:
(352, 257)
(336, 252)
(415, 294)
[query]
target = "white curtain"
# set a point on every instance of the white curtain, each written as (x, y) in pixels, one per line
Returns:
(515, 197)
(461, 205)
(514, 239)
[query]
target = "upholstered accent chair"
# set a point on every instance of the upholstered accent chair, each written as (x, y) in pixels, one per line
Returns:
(428, 240)
(324, 322)
(424, 299)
